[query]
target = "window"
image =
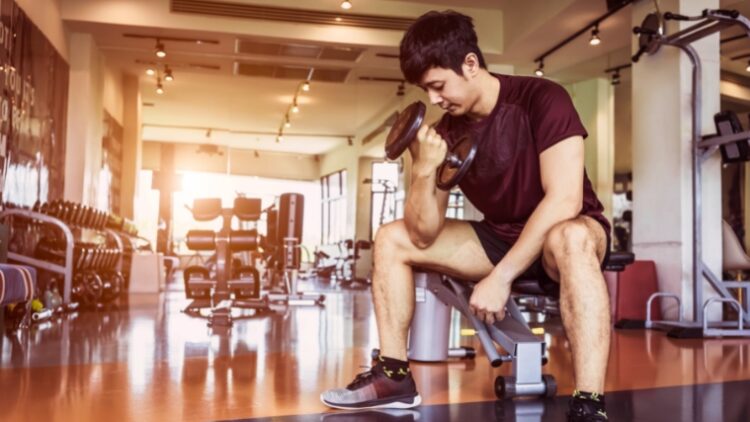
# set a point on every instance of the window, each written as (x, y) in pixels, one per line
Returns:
(228, 187)
(333, 202)
(455, 205)
(387, 202)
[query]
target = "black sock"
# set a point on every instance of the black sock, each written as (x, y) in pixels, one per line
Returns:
(585, 403)
(394, 369)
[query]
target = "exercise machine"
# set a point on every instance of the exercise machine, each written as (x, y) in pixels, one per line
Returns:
(231, 286)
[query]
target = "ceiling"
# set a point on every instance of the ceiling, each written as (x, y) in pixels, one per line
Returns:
(247, 111)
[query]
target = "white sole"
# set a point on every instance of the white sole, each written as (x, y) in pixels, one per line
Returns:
(394, 405)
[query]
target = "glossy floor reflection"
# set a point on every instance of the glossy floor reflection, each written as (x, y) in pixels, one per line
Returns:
(148, 361)
(705, 403)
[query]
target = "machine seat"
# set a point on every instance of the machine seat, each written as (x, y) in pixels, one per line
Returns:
(617, 262)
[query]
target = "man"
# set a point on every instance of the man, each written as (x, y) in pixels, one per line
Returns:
(542, 217)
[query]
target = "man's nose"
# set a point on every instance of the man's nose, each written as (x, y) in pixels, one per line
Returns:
(435, 98)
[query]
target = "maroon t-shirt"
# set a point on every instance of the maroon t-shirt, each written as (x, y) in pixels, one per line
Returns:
(504, 182)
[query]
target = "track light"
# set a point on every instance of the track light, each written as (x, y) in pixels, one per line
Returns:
(306, 86)
(748, 66)
(616, 78)
(540, 70)
(346, 5)
(401, 90)
(255, 154)
(595, 40)
(168, 74)
(159, 87)
(287, 123)
(295, 108)
(160, 52)
(279, 138)
(150, 71)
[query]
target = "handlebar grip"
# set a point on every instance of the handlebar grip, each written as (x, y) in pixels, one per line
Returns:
(734, 14)
(675, 16)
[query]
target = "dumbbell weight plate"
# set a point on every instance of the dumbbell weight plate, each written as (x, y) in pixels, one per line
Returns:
(452, 171)
(404, 130)
(92, 287)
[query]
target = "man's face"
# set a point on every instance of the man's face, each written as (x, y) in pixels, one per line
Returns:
(448, 90)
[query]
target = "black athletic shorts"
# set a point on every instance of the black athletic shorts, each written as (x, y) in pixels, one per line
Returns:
(495, 248)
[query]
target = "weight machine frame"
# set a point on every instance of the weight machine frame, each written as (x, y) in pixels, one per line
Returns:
(709, 23)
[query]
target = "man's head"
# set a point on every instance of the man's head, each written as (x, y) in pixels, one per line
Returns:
(439, 53)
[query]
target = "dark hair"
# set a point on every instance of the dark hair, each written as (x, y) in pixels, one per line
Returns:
(438, 39)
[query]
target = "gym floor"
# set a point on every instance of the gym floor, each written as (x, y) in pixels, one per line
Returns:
(147, 361)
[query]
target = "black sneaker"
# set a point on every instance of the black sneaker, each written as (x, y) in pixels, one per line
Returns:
(373, 389)
(586, 410)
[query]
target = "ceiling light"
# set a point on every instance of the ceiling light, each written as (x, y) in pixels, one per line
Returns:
(168, 74)
(338, 18)
(150, 72)
(540, 70)
(306, 86)
(748, 66)
(595, 40)
(287, 123)
(160, 52)
(346, 5)
(159, 88)
(295, 108)
(279, 138)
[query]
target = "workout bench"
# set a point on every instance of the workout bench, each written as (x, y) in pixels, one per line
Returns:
(430, 331)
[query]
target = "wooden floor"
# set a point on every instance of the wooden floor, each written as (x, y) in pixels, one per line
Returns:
(149, 362)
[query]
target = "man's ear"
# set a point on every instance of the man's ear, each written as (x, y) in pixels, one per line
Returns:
(471, 66)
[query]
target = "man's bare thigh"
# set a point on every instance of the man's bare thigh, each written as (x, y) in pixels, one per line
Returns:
(456, 252)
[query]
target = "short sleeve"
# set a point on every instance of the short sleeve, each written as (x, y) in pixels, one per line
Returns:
(552, 116)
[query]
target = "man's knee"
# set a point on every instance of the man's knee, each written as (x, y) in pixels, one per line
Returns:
(569, 238)
(391, 238)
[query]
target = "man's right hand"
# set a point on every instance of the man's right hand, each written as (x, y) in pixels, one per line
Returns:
(428, 152)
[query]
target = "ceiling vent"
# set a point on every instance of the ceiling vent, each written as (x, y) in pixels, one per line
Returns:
(286, 14)
(304, 51)
(320, 74)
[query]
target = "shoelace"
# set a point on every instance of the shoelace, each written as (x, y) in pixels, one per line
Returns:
(361, 379)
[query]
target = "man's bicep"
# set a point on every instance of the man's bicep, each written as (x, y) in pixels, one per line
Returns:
(561, 167)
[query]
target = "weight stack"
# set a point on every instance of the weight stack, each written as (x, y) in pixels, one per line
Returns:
(291, 209)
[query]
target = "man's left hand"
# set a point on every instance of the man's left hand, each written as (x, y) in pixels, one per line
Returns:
(488, 300)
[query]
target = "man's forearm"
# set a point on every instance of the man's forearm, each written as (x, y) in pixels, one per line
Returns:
(422, 210)
(528, 247)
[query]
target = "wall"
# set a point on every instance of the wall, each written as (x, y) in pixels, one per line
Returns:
(593, 99)
(96, 87)
(46, 15)
(132, 145)
(623, 128)
(273, 165)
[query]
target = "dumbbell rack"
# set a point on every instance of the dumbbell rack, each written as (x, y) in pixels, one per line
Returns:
(67, 271)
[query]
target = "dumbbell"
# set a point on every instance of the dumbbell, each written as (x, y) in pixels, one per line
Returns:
(458, 159)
